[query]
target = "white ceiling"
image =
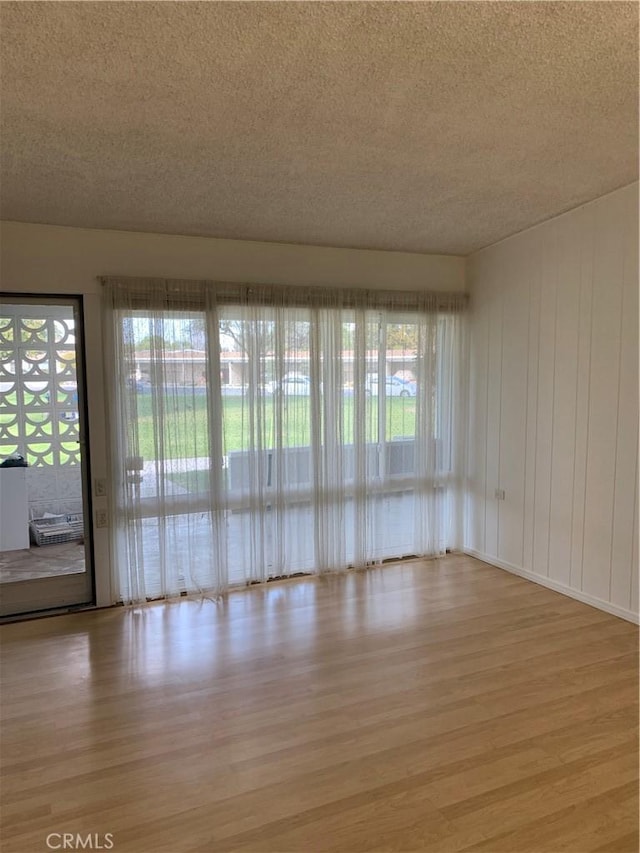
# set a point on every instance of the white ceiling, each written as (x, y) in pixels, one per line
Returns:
(426, 127)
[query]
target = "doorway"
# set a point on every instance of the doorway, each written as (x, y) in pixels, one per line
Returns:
(45, 513)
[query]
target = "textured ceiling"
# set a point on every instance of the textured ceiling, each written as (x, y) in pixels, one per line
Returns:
(427, 127)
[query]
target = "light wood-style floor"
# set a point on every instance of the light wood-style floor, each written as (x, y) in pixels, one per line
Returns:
(432, 705)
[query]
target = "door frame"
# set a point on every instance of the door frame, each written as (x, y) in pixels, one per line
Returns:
(72, 591)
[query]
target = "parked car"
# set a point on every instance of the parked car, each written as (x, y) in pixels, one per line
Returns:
(142, 386)
(293, 385)
(394, 386)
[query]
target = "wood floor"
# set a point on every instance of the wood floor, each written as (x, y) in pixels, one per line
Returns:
(432, 705)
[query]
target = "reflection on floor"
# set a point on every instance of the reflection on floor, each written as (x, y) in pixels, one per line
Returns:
(434, 706)
(42, 562)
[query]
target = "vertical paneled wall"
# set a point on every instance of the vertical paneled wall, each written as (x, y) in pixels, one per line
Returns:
(554, 403)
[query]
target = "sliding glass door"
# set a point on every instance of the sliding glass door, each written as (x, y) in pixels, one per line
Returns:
(259, 438)
(44, 520)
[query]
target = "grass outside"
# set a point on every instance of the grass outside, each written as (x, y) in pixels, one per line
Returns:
(196, 482)
(186, 433)
(186, 430)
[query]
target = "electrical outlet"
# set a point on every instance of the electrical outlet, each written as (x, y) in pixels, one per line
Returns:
(102, 519)
(499, 494)
(100, 487)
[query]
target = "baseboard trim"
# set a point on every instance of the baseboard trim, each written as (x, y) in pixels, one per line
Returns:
(584, 597)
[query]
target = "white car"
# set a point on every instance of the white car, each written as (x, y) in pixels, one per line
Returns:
(293, 385)
(394, 386)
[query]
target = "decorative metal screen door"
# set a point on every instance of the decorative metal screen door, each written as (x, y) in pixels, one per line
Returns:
(45, 531)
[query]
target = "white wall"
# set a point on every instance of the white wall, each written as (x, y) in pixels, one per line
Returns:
(45, 259)
(55, 259)
(554, 403)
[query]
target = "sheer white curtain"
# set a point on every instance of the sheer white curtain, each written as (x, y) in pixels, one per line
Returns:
(258, 432)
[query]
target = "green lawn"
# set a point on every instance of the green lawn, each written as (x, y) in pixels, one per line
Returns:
(187, 435)
(186, 432)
